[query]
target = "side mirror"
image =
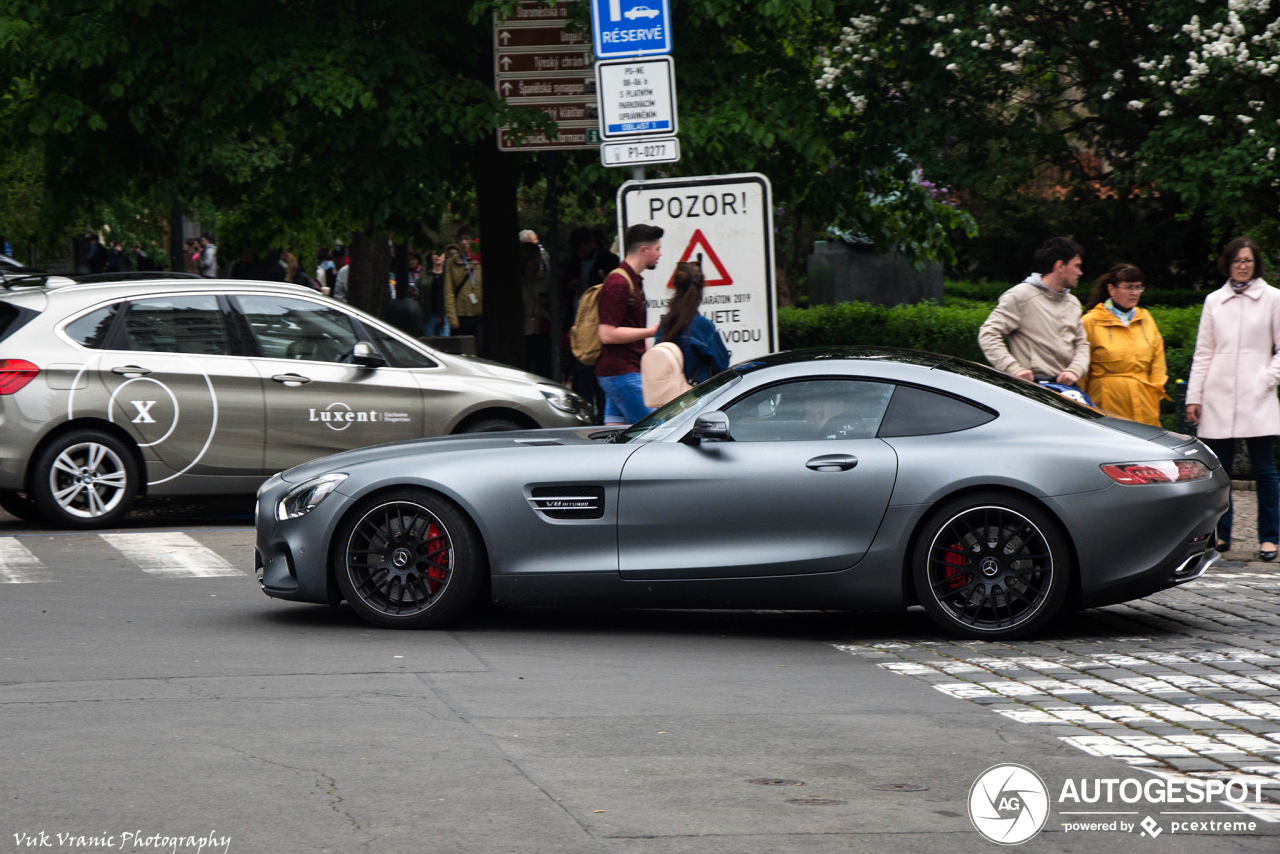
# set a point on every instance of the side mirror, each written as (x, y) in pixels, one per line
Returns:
(365, 356)
(710, 427)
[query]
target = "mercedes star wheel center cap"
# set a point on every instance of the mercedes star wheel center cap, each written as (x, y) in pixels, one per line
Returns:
(401, 558)
(990, 566)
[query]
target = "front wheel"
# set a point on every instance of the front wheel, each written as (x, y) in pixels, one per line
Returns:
(85, 479)
(408, 560)
(492, 425)
(991, 566)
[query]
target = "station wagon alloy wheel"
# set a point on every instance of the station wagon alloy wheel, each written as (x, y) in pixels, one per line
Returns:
(88, 480)
(408, 561)
(85, 479)
(992, 570)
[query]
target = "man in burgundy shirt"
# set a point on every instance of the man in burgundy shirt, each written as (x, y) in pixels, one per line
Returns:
(622, 327)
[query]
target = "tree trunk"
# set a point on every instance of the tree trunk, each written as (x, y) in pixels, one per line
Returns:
(497, 181)
(368, 283)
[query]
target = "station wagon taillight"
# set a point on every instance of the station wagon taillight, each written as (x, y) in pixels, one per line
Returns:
(15, 373)
(1161, 471)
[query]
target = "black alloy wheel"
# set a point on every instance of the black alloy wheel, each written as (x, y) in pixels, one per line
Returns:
(408, 559)
(991, 566)
(85, 479)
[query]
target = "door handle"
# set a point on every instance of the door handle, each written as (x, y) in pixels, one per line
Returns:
(832, 462)
(291, 380)
(126, 370)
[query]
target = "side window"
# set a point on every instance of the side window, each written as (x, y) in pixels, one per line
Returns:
(91, 330)
(810, 410)
(298, 329)
(916, 412)
(178, 324)
(402, 355)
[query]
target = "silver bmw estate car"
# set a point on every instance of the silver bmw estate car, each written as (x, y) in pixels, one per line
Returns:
(854, 479)
(110, 390)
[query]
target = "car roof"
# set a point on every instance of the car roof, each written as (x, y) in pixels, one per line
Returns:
(111, 285)
(854, 353)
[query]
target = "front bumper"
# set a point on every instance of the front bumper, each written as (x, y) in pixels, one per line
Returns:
(291, 557)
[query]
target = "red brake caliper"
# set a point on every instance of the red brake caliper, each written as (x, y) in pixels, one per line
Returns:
(437, 554)
(954, 558)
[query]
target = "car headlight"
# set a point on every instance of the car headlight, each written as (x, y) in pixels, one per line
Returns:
(305, 497)
(563, 399)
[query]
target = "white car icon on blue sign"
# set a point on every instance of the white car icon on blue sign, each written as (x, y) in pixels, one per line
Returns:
(641, 12)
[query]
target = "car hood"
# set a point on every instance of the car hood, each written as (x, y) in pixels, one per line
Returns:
(485, 368)
(531, 439)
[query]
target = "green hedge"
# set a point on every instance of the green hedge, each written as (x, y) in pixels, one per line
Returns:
(963, 293)
(950, 329)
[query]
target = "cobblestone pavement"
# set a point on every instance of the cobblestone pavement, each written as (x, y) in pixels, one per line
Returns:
(1182, 683)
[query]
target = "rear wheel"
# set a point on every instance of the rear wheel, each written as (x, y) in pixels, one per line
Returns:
(85, 479)
(408, 560)
(991, 566)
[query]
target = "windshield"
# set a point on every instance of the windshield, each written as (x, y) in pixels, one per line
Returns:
(661, 422)
(1021, 387)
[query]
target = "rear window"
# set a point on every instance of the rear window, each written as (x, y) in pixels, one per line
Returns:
(1020, 387)
(92, 330)
(916, 412)
(13, 318)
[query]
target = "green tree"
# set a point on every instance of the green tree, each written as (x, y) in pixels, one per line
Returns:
(1127, 97)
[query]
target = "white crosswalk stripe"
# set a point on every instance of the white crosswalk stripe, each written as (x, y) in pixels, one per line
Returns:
(18, 565)
(170, 553)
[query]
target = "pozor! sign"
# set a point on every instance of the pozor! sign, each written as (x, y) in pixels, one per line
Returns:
(725, 223)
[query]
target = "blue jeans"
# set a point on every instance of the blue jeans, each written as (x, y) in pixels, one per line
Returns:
(436, 325)
(1262, 458)
(623, 399)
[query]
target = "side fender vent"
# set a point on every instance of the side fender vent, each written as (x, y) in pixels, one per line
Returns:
(568, 502)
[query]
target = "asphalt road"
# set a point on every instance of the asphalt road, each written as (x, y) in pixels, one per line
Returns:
(148, 688)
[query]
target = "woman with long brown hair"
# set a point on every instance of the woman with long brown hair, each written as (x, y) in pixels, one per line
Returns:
(696, 336)
(1127, 372)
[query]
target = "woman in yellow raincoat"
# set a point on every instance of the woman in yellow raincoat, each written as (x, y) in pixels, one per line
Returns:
(1126, 351)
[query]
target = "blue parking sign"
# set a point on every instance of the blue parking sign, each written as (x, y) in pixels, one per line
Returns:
(630, 27)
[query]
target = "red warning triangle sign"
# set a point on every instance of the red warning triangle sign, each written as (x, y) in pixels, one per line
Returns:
(700, 250)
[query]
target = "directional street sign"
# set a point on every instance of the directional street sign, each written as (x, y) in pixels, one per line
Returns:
(535, 11)
(637, 97)
(725, 223)
(570, 135)
(544, 61)
(630, 27)
(640, 152)
(540, 63)
(563, 111)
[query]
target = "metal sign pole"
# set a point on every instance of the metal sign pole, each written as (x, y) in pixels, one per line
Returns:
(553, 250)
(637, 172)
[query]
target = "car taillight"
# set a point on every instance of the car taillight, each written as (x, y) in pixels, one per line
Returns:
(14, 374)
(1161, 471)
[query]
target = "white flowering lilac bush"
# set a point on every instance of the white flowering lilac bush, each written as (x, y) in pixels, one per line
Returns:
(1180, 96)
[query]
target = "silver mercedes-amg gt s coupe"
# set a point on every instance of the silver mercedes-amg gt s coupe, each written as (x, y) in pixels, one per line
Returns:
(839, 479)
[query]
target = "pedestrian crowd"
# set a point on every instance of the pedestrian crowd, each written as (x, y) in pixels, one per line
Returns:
(1110, 353)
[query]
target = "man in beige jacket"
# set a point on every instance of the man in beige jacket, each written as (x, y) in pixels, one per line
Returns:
(1041, 320)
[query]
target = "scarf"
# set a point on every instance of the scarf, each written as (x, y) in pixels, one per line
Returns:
(1125, 317)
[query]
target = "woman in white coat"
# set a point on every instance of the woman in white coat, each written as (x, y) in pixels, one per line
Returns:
(1232, 390)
